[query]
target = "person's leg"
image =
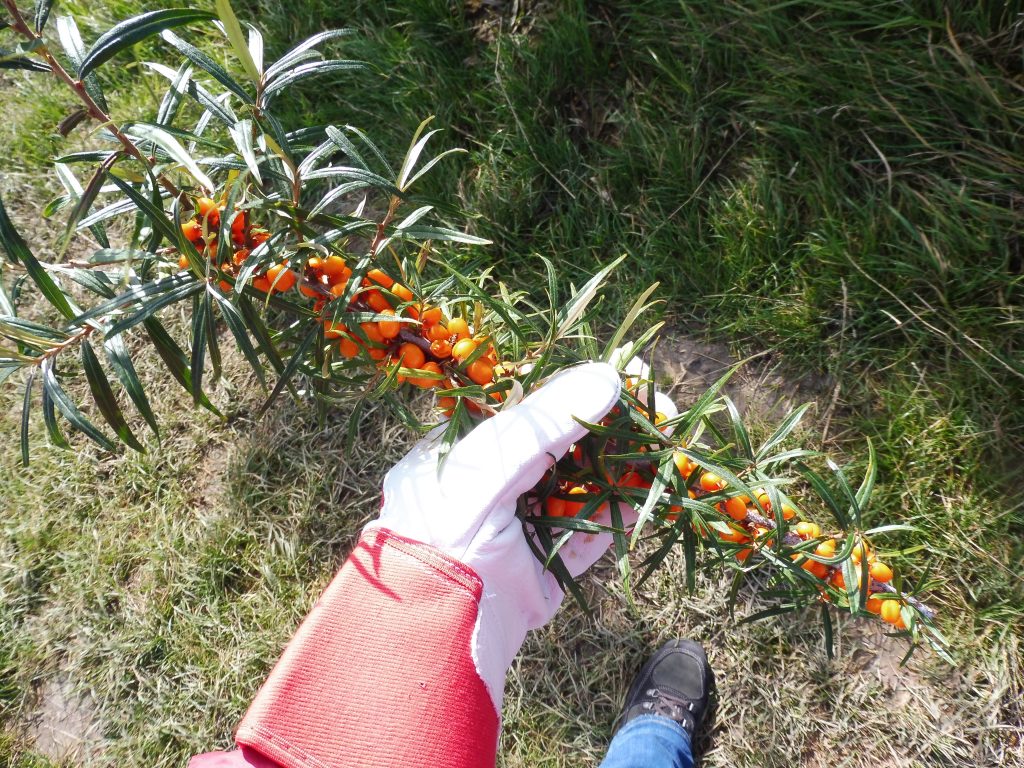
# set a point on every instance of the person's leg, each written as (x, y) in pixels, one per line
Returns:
(664, 706)
(649, 741)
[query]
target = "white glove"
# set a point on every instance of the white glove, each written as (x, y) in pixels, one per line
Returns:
(467, 509)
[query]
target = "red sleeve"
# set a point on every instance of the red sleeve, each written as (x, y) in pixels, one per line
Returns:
(381, 674)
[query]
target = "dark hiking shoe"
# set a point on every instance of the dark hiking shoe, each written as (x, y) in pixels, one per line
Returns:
(676, 682)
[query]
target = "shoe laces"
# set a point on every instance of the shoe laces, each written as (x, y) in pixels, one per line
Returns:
(665, 704)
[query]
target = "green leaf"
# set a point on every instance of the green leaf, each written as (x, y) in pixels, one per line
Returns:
(155, 214)
(50, 420)
(117, 354)
(431, 163)
(867, 485)
(196, 91)
(783, 430)
(442, 234)
(18, 251)
(200, 321)
(23, 62)
(172, 99)
(170, 145)
(373, 148)
(638, 308)
(236, 324)
(241, 133)
(237, 39)
(176, 361)
(148, 308)
(293, 366)
(25, 409)
(207, 64)
(42, 13)
(306, 71)
(738, 429)
(135, 29)
(342, 142)
(293, 56)
(71, 40)
(70, 411)
(412, 155)
(104, 397)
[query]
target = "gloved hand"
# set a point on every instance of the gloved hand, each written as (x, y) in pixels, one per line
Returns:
(403, 660)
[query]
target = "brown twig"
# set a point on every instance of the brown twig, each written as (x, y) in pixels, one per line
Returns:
(78, 87)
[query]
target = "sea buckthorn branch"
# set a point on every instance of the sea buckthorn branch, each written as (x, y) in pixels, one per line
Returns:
(82, 94)
(299, 299)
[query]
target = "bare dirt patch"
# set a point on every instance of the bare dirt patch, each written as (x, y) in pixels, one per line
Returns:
(65, 726)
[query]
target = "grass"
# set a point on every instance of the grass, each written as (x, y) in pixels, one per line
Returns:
(836, 183)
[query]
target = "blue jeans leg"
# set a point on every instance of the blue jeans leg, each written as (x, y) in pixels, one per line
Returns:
(649, 741)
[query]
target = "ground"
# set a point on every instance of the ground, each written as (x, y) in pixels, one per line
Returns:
(832, 191)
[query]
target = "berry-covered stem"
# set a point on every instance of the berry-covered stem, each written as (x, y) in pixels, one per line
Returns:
(78, 87)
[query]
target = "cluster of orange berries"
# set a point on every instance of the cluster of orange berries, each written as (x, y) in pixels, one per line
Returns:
(202, 229)
(749, 528)
(746, 526)
(413, 336)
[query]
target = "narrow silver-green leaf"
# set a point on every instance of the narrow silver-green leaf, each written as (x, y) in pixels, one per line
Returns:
(233, 30)
(105, 399)
(117, 354)
(70, 411)
(135, 29)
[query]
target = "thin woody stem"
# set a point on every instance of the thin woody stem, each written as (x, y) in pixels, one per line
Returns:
(78, 87)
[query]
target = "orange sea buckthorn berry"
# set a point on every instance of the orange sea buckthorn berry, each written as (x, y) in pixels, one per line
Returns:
(207, 209)
(788, 513)
(744, 553)
(373, 334)
(459, 327)
(411, 356)
(258, 237)
(633, 479)
(314, 266)
(438, 332)
(239, 226)
(348, 347)
(441, 348)
(307, 289)
(827, 548)
(225, 286)
(375, 300)
(281, 278)
(873, 604)
(573, 508)
(463, 348)
(881, 572)
(334, 267)
(480, 371)
(554, 506)
(446, 402)
(765, 501)
(183, 262)
(376, 353)
(192, 230)
(424, 382)
(890, 611)
(260, 283)
(380, 278)
(332, 331)
(338, 289)
(402, 292)
(240, 256)
(837, 580)
(711, 482)
(857, 554)
(683, 463)
(389, 329)
(807, 530)
(735, 508)
(431, 316)
(690, 493)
